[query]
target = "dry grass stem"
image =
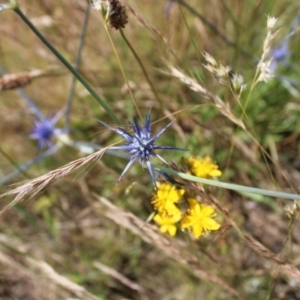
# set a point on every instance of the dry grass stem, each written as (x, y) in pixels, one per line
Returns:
(118, 276)
(260, 249)
(152, 29)
(283, 266)
(47, 271)
(33, 270)
(18, 80)
(36, 185)
(264, 64)
(222, 107)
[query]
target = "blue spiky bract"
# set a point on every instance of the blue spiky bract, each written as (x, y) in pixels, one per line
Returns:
(140, 144)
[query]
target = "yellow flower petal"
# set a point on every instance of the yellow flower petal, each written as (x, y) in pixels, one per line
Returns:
(186, 222)
(172, 230)
(202, 167)
(211, 224)
(207, 211)
(164, 228)
(158, 219)
(167, 223)
(215, 173)
(197, 231)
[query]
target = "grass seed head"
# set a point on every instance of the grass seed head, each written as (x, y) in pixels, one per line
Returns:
(14, 81)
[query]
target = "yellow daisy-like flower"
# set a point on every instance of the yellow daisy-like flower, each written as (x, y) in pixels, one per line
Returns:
(199, 219)
(204, 168)
(165, 197)
(167, 223)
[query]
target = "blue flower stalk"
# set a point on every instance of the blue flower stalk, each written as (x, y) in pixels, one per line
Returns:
(140, 144)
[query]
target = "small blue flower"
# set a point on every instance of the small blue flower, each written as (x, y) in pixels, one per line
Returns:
(140, 144)
(279, 54)
(45, 129)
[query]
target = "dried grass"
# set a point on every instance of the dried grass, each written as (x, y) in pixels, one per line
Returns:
(174, 249)
(18, 80)
(118, 276)
(39, 279)
(283, 266)
(222, 107)
(36, 185)
(152, 29)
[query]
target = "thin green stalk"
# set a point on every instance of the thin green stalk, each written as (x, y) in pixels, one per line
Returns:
(213, 28)
(190, 33)
(66, 63)
(23, 167)
(19, 169)
(230, 186)
(121, 67)
(142, 66)
(274, 274)
(253, 84)
(77, 63)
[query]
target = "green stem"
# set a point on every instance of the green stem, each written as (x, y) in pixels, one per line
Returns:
(120, 66)
(14, 163)
(76, 65)
(141, 65)
(212, 27)
(230, 186)
(67, 64)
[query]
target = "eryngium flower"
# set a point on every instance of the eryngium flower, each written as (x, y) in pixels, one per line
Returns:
(44, 130)
(140, 144)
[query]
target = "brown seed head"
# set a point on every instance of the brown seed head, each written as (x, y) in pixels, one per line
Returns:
(14, 81)
(118, 17)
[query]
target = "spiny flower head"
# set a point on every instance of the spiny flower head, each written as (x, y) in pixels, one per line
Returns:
(199, 219)
(204, 168)
(140, 144)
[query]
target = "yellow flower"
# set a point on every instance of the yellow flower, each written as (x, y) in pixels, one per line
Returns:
(199, 219)
(203, 167)
(167, 223)
(165, 197)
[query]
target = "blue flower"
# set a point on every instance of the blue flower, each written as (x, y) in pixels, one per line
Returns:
(279, 54)
(140, 144)
(44, 130)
